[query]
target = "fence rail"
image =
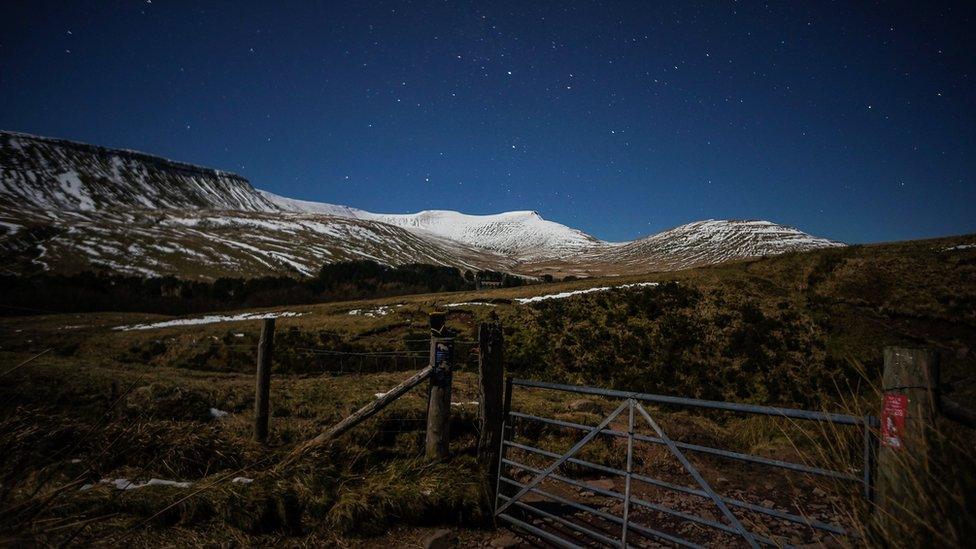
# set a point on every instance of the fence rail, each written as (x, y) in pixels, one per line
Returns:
(795, 413)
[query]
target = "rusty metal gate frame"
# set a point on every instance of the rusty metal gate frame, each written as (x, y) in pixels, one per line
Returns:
(634, 402)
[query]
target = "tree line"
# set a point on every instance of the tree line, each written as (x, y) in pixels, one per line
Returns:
(98, 291)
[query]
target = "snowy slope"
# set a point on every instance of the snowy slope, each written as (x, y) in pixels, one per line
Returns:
(523, 234)
(45, 173)
(67, 206)
(305, 206)
(211, 244)
(708, 242)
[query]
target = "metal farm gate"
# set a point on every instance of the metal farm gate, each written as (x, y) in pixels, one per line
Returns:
(549, 505)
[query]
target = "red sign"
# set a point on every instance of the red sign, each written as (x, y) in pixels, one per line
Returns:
(893, 419)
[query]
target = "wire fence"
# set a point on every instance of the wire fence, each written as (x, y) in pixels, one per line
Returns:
(390, 356)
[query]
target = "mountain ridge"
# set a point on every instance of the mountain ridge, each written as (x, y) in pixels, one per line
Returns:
(62, 201)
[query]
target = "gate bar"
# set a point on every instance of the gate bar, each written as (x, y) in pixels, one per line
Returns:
(700, 480)
(648, 505)
(568, 502)
(594, 431)
(595, 535)
(637, 527)
(630, 470)
(539, 532)
(703, 449)
(714, 404)
(692, 491)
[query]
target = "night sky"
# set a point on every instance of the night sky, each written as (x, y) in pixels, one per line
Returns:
(847, 120)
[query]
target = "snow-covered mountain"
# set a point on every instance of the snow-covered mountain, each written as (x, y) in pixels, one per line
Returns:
(523, 233)
(67, 206)
(56, 174)
(708, 242)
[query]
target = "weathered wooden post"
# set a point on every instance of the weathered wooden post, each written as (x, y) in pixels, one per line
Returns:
(491, 370)
(262, 390)
(439, 405)
(910, 386)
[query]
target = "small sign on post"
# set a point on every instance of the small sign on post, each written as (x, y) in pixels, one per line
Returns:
(442, 363)
(893, 420)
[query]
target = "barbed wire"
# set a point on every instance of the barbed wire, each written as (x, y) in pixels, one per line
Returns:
(326, 362)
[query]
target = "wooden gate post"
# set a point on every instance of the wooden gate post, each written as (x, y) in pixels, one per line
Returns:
(910, 391)
(439, 404)
(491, 370)
(262, 389)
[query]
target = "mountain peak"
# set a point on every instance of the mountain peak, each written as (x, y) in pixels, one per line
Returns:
(147, 215)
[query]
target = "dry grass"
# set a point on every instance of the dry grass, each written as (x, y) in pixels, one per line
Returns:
(136, 405)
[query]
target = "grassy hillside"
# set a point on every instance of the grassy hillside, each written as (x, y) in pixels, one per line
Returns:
(801, 329)
(775, 330)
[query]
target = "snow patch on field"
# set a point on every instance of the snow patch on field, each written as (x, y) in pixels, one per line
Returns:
(377, 311)
(126, 484)
(209, 319)
(960, 247)
(564, 295)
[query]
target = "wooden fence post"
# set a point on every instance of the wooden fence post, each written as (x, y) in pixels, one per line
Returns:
(910, 391)
(491, 370)
(439, 405)
(262, 390)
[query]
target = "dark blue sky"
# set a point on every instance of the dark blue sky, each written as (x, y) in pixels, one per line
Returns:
(848, 120)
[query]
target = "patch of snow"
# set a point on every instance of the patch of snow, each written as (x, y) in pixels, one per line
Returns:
(563, 295)
(470, 303)
(217, 414)
(242, 480)
(126, 484)
(209, 319)
(960, 247)
(72, 185)
(471, 403)
(382, 310)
